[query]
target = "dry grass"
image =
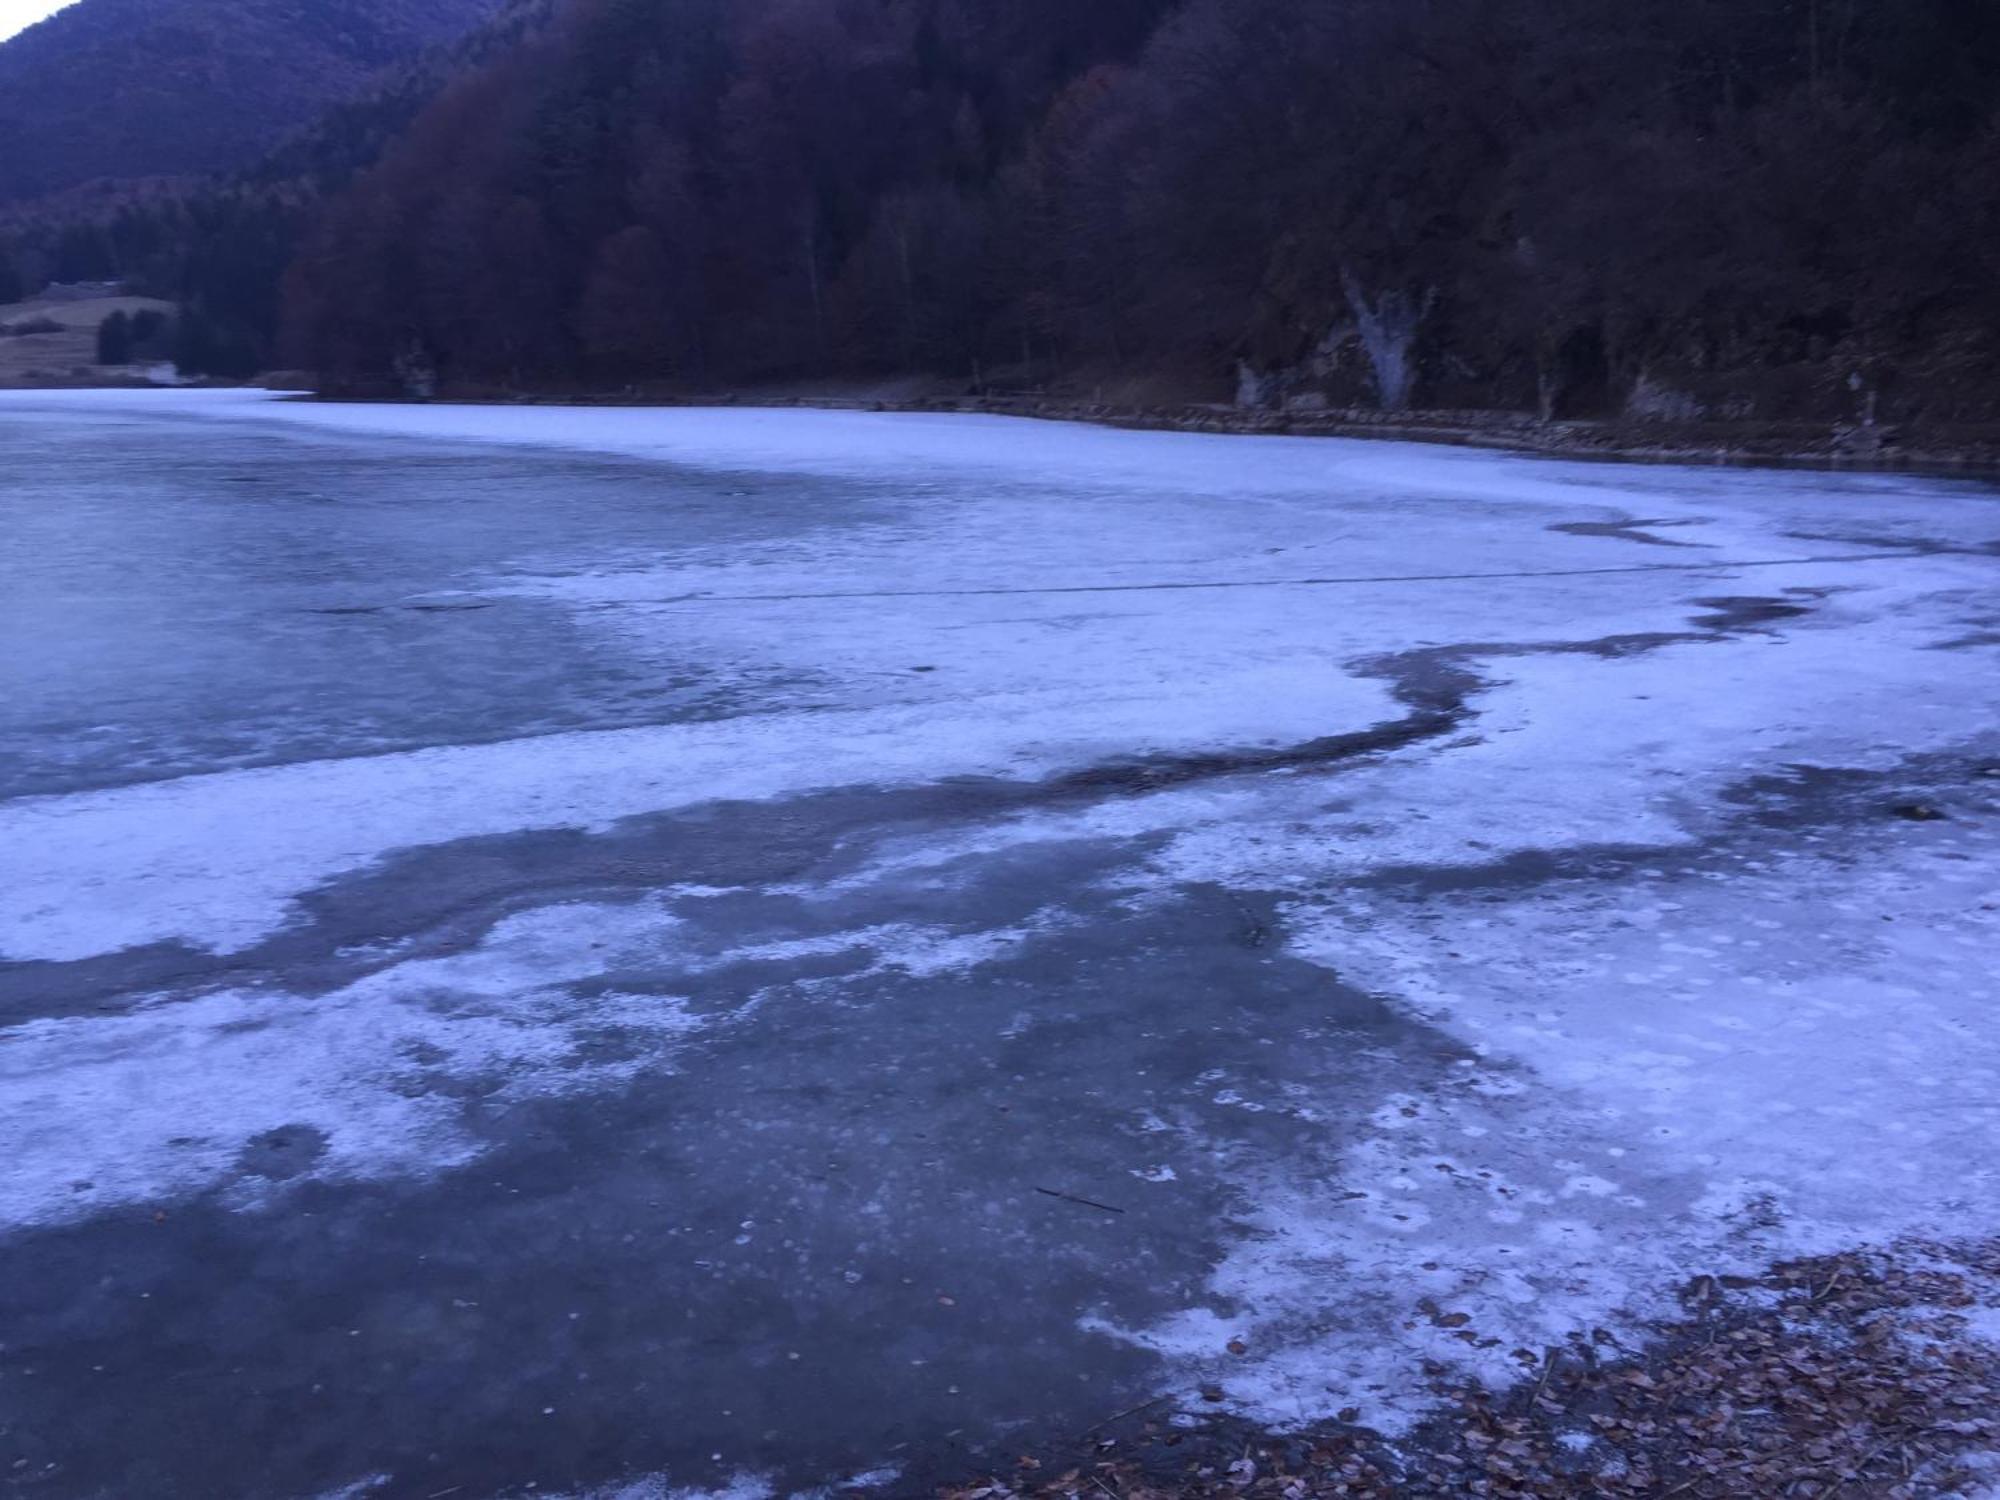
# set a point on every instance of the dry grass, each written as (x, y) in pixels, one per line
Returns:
(68, 355)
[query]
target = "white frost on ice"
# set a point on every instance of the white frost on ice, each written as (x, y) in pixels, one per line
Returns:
(102, 1110)
(1764, 1051)
(216, 861)
(1770, 1054)
(743, 1487)
(1022, 684)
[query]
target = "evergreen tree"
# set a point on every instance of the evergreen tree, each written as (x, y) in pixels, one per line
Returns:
(114, 340)
(152, 337)
(204, 344)
(194, 342)
(85, 253)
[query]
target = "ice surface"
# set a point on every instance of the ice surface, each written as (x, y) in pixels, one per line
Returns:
(1027, 682)
(214, 861)
(105, 1111)
(1707, 1000)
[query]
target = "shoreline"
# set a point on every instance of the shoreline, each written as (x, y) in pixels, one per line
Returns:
(1971, 452)
(1855, 1372)
(1797, 445)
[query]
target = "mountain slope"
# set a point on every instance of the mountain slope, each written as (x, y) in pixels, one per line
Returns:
(148, 88)
(1685, 210)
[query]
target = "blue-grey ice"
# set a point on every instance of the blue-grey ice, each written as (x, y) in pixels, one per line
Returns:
(667, 920)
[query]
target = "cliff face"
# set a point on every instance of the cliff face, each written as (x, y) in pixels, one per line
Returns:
(149, 88)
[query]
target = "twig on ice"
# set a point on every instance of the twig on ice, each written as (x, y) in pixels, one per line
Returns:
(1086, 1202)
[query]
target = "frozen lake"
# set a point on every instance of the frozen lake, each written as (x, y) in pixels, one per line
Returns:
(629, 952)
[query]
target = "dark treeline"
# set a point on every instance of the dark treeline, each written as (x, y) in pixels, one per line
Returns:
(1723, 207)
(219, 253)
(710, 190)
(220, 248)
(1730, 209)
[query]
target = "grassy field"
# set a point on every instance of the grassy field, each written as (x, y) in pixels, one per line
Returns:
(65, 356)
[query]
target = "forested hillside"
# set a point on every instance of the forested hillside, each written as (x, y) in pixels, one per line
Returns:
(1678, 209)
(709, 189)
(1719, 207)
(129, 89)
(219, 247)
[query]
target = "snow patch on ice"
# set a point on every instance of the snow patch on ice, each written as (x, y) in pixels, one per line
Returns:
(360, 1488)
(1698, 1065)
(217, 861)
(1743, 1063)
(173, 1097)
(743, 1487)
